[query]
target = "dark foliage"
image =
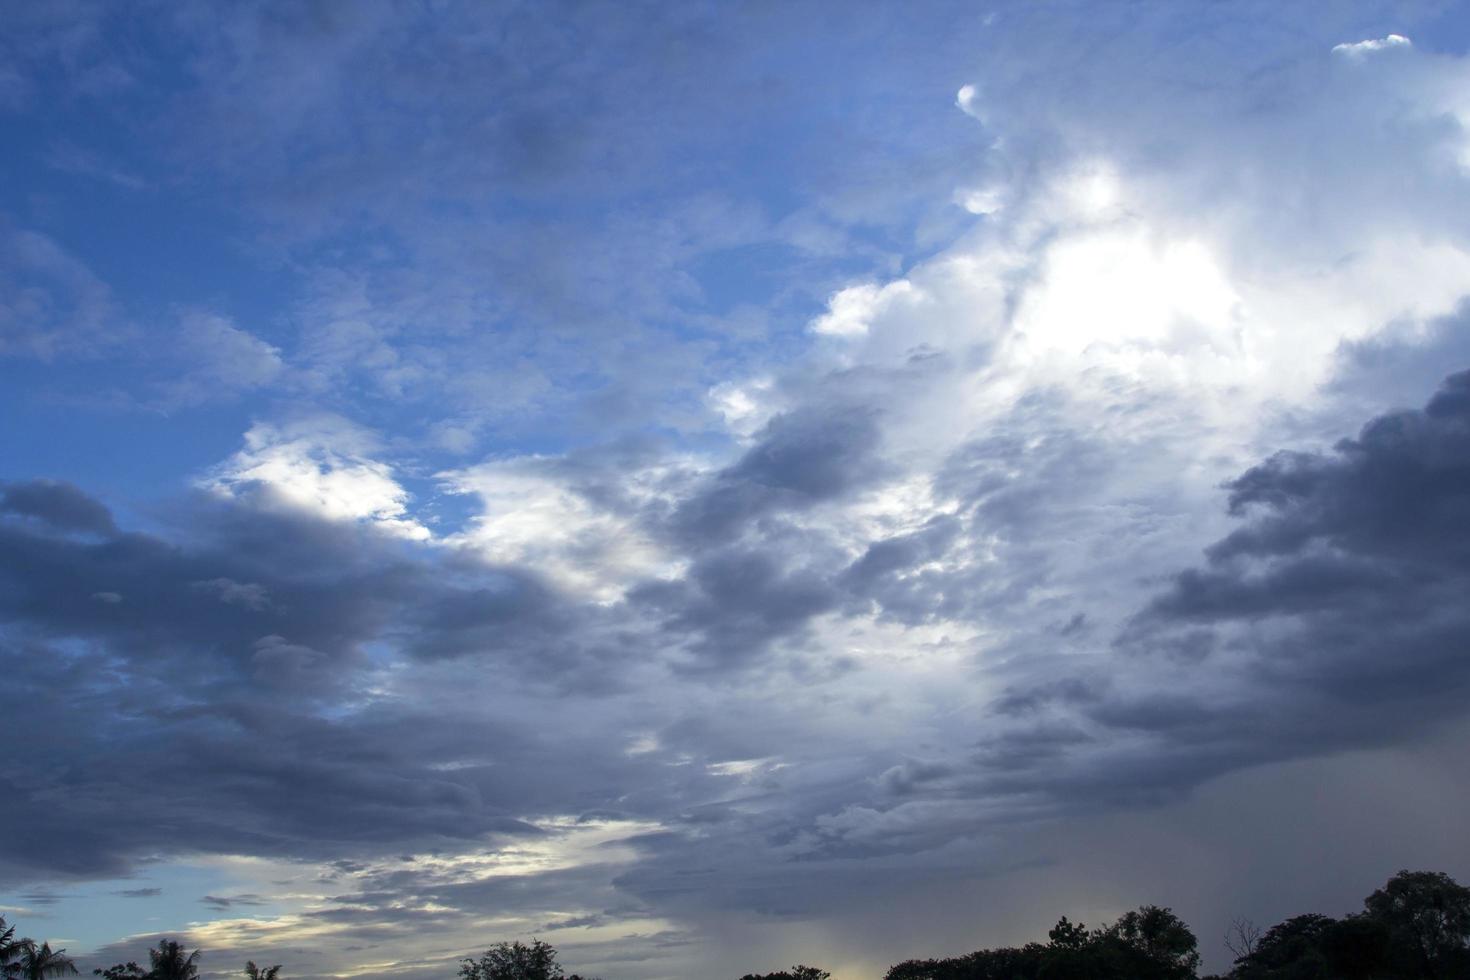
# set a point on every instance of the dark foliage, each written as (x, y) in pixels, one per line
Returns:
(1149, 944)
(167, 962)
(1416, 927)
(516, 961)
(798, 972)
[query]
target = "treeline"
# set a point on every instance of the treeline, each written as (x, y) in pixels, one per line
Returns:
(1416, 927)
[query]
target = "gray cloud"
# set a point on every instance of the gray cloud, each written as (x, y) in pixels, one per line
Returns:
(1327, 617)
(223, 903)
(798, 460)
(61, 505)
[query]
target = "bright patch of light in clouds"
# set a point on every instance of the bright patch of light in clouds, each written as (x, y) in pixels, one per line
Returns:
(531, 516)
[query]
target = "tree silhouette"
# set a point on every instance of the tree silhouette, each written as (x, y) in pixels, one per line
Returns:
(169, 962)
(1162, 938)
(38, 962)
(1242, 938)
(9, 945)
(798, 972)
(1427, 914)
(1068, 935)
(515, 961)
(254, 972)
(1291, 948)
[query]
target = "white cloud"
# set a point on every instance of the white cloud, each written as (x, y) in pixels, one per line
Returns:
(321, 466)
(851, 311)
(968, 100)
(1122, 289)
(982, 201)
(745, 406)
(532, 515)
(1358, 49)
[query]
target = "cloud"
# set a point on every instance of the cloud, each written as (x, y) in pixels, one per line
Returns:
(849, 311)
(1358, 49)
(320, 466)
(251, 595)
(218, 360)
(73, 159)
(798, 460)
(237, 687)
(61, 505)
(51, 304)
(225, 903)
(579, 529)
(1334, 586)
(1321, 623)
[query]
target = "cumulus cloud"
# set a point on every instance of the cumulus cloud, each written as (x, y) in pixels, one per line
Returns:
(320, 466)
(851, 310)
(1336, 584)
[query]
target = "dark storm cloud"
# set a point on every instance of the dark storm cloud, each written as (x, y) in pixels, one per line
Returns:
(208, 718)
(1333, 616)
(156, 613)
(144, 766)
(1379, 521)
(56, 503)
(735, 602)
(799, 459)
(241, 658)
(883, 573)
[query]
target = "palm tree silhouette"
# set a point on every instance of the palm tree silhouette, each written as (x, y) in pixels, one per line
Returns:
(41, 962)
(254, 972)
(9, 946)
(170, 963)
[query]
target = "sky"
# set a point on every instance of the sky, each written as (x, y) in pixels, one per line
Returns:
(717, 485)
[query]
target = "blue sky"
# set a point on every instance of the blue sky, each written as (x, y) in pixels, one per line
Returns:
(717, 485)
